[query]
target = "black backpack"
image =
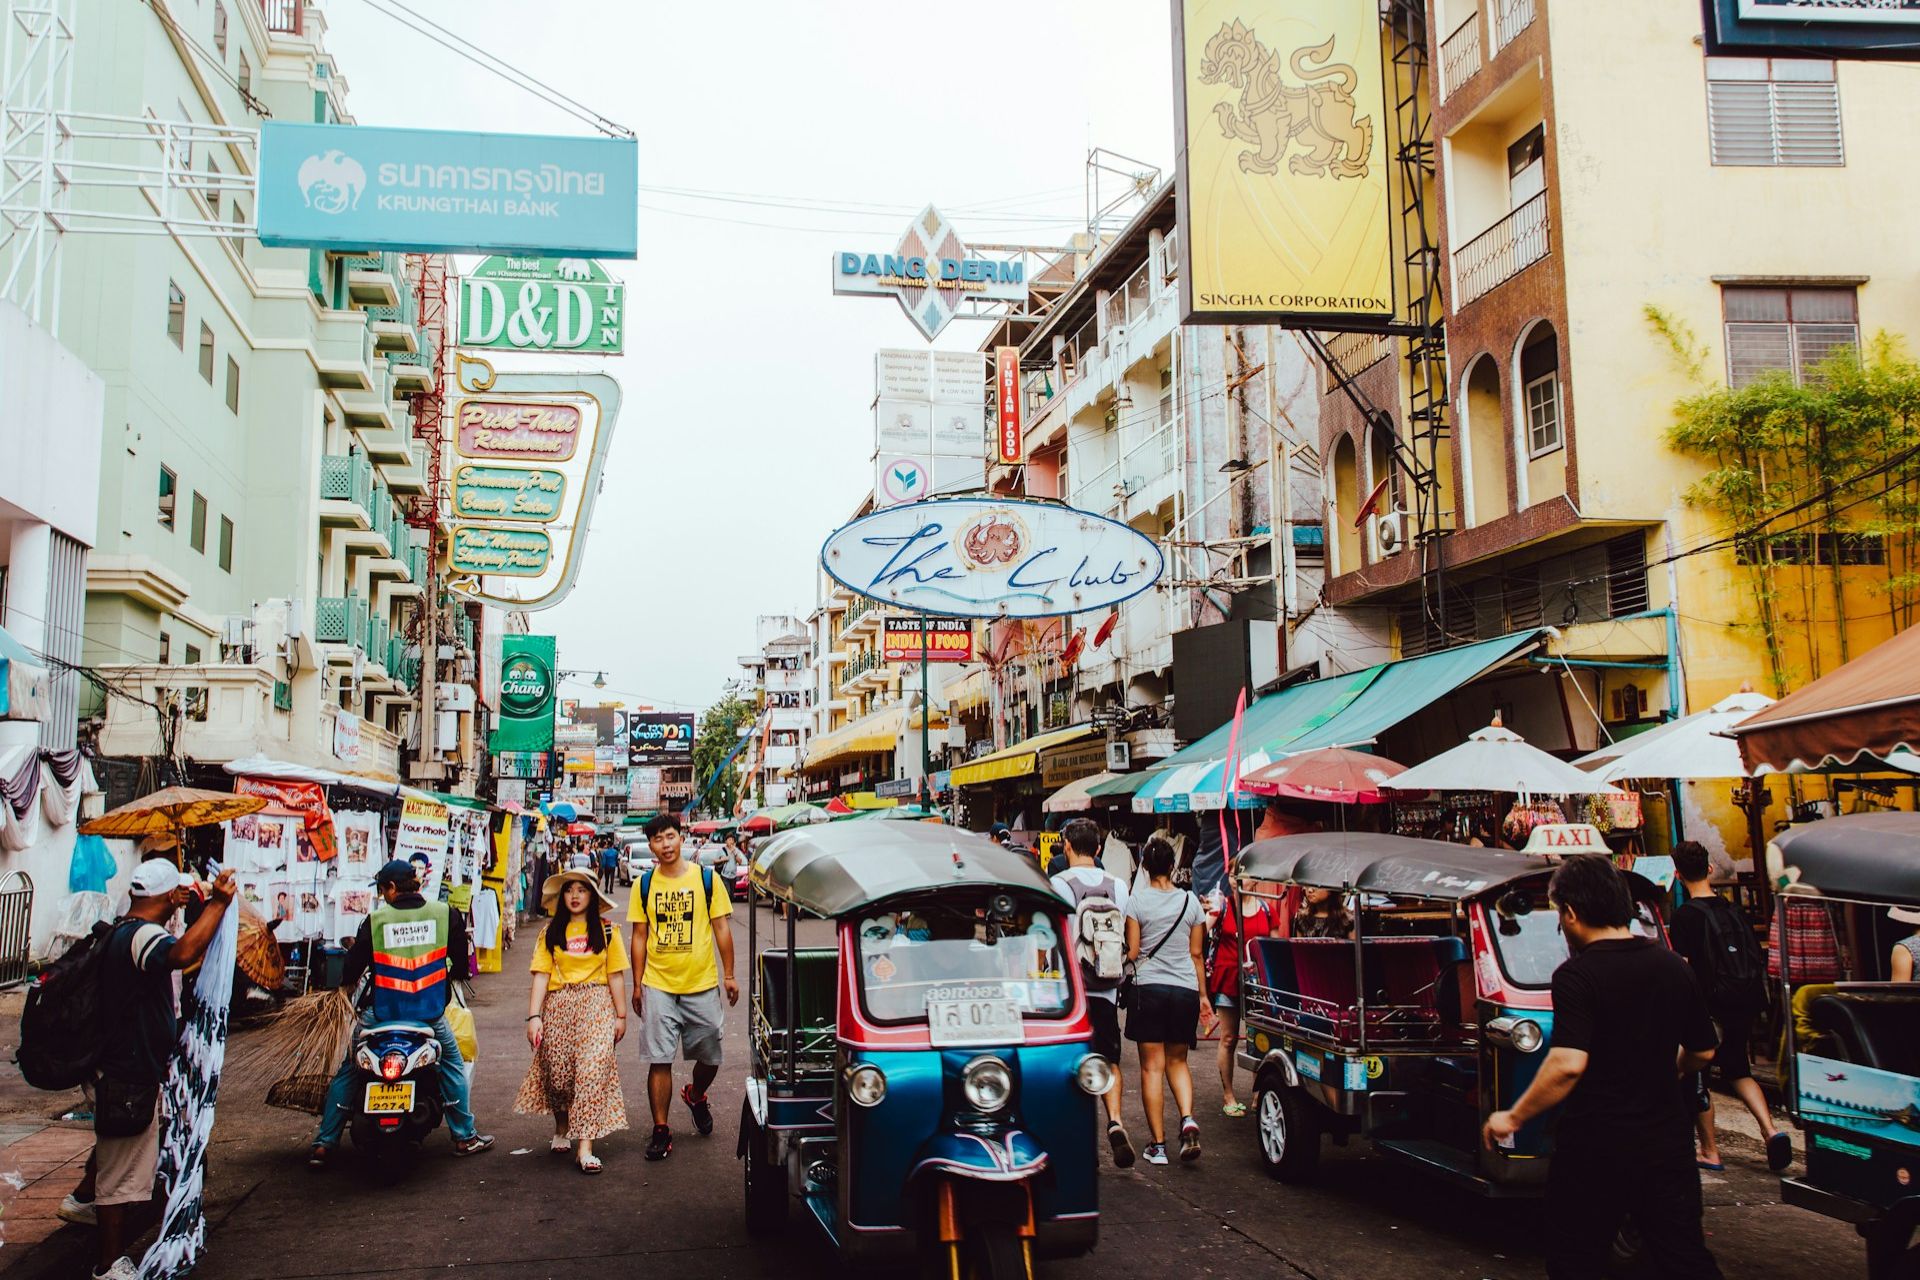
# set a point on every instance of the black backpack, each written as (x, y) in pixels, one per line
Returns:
(1736, 977)
(63, 1027)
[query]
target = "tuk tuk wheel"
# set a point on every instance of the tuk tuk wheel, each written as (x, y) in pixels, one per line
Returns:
(996, 1252)
(766, 1181)
(1289, 1136)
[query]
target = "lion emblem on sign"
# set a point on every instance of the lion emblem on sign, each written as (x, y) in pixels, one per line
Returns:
(993, 540)
(1273, 114)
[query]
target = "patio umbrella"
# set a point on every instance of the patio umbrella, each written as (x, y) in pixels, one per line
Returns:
(1076, 796)
(838, 805)
(1691, 747)
(1332, 774)
(170, 811)
(563, 811)
(1498, 759)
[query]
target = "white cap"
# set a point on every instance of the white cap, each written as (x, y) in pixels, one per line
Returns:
(155, 878)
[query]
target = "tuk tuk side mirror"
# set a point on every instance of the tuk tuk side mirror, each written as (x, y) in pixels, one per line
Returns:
(1510, 907)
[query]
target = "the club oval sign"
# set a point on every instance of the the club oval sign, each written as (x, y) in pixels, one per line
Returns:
(992, 558)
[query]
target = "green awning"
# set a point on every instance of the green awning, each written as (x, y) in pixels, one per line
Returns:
(1123, 785)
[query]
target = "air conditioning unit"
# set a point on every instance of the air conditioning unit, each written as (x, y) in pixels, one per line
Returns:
(1119, 756)
(237, 630)
(1390, 533)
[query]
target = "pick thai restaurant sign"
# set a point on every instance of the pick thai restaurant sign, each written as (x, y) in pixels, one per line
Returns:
(1284, 195)
(992, 558)
(930, 272)
(517, 429)
(542, 304)
(364, 188)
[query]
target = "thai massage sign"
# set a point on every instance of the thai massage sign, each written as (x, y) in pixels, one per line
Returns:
(542, 304)
(992, 558)
(517, 429)
(507, 493)
(517, 553)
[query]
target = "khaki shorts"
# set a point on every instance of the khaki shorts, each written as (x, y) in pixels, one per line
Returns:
(688, 1024)
(124, 1168)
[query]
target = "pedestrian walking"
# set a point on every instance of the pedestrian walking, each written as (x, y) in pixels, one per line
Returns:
(1165, 929)
(575, 1018)
(1257, 918)
(1711, 935)
(1628, 1019)
(1098, 931)
(140, 1038)
(415, 949)
(679, 915)
(609, 866)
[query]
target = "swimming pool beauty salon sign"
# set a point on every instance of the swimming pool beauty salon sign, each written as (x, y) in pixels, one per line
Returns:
(340, 186)
(992, 558)
(930, 273)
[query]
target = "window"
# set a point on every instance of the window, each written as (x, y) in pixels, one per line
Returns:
(245, 78)
(233, 384)
(1540, 386)
(1781, 329)
(237, 215)
(197, 524)
(1773, 111)
(1527, 166)
(176, 315)
(183, 137)
(220, 27)
(1815, 548)
(226, 545)
(168, 483)
(166, 647)
(193, 655)
(206, 352)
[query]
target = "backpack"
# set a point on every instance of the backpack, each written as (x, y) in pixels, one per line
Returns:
(1100, 933)
(1737, 971)
(63, 1027)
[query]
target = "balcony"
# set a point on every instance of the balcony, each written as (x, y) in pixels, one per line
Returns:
(379, 750)
(1510, 18)
(1460, 56)
(860, 666)
(410, 474)
(227, 711)
(859, 614)
(284, 17)
(414, 372)
(341, 621)
(375, 279)
(395, 328)
(1501, 252)
(346, 489)
(1357, 352)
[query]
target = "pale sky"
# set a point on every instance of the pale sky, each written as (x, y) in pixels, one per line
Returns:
(746, 434)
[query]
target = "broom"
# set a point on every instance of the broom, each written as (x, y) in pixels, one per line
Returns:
(294, 1056)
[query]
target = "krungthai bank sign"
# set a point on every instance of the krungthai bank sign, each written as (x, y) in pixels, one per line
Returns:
(930, 273)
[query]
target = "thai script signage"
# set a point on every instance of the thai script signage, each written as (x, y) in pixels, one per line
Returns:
(517, 553)
(949, 639)
(527, 689)
(660, 737)
(542, 304)
(930, 273)
(1006, 383)
(507, 493)
(359, 187)
(992, 558)
(517, 429)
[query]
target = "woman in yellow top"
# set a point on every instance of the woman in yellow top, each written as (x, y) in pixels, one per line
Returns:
(577, 1015)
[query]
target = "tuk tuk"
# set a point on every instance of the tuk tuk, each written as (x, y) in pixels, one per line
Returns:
(925, 1086)
(1853, 1063)
(1434, 1013)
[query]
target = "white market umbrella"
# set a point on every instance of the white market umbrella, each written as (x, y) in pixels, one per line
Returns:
(1692, 747)
(1498, 759)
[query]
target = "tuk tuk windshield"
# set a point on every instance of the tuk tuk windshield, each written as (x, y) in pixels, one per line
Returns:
(1531, 945)
(930, 958)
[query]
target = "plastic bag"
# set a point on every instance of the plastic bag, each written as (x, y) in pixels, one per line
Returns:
(460, 1018)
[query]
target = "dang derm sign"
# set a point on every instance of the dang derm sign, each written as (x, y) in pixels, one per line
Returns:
(354, 186)
(992, 558)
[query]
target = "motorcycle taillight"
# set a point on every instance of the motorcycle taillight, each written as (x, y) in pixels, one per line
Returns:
(393, 1066)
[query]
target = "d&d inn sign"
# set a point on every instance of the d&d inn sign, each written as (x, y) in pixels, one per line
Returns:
(542, 304)
(992, 558)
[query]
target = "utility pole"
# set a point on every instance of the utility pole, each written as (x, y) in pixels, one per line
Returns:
(926, 715)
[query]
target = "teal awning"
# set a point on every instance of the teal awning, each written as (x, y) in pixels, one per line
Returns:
(1123, 785)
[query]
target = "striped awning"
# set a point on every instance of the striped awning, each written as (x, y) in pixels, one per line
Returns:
(1016, 761)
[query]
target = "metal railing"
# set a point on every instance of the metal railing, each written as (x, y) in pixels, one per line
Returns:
(1510, 18)
(348, 477)
(1460, 56)
(1502, 251)
(16, 927)
(283, 16)
(340, 620)
(1358, 351)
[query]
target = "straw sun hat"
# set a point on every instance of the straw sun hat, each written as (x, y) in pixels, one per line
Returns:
(1905, 915)
(559, 880)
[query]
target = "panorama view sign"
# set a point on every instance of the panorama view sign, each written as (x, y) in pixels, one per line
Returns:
(542, 304)
(930, 273)
(359, 187)
(992, 558)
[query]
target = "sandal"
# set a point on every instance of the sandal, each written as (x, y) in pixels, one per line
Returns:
(1234, 1109)
(588, 1164)
(560, 1147)
(319, 1156)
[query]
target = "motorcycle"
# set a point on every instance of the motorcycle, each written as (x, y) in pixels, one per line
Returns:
(396, 1092)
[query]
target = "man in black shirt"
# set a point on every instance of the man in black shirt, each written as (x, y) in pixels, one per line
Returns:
(1628, 1021)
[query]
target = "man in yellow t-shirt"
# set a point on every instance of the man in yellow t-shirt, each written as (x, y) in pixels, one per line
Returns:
(679, 916)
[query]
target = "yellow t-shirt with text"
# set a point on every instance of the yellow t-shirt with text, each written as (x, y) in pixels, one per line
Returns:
(579, 963)
(680, 954)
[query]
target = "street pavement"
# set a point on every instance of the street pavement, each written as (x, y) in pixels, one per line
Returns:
(519, 1212)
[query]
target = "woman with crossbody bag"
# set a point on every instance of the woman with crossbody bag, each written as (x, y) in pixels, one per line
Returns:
(1166, 929)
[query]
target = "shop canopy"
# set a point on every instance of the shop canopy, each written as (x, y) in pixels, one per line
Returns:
(1077, 796)
(259, 766)
(1859, 714)
(1339, 711)
(23, 681)
(712, 826)
(1692, 747)
(866, 736)
(1016, 761)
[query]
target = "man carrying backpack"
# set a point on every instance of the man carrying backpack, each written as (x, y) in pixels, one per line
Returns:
(1713, 937)
(1099, 937)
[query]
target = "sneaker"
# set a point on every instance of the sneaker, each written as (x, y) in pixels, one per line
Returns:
(1122, 1146)
(77, 1211)
(660, 1145)
(1779, 1152)
(473, 1146)
(1156, 1153)
(702, 1113)
(1189, 1139)
(123, 1268)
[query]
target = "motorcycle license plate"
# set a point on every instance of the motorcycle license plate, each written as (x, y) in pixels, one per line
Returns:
(979, 1021)
(388, 1099)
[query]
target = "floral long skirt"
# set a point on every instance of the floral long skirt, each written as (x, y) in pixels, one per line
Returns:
(575, 1071)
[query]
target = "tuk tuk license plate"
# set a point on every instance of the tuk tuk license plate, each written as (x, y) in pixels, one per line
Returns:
(994, 1020)
(389, 1099)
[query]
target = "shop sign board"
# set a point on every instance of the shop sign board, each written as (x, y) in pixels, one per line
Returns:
(524, 429)
(1284, 218)
(346, 737)
(660, 737)
(542, 304)
(929, 423)
(527, 686)
(1070, 764)
(896, 788)
(507, 493)
(492, 549)
(643, 789)
(992, 558)
(1566, 838)
(949, 639)
(424, 828)
(358, 187)
(1006, 387)
(1887, 29)
(930, 273)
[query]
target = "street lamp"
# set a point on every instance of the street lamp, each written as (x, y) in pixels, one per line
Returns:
(599, 677)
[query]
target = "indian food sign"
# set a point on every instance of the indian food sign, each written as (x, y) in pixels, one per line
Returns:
(947, 639)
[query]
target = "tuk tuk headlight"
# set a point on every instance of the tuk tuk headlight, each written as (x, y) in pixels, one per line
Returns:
(1523, 1035)
(1094, 1075)
(866, 1085)
(987, 1083)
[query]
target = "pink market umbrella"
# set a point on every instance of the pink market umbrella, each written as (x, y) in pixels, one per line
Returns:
(1332, 774)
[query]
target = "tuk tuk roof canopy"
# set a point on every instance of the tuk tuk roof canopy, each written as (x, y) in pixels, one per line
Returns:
(1864, 857)
(1398, 866)
(842, 867)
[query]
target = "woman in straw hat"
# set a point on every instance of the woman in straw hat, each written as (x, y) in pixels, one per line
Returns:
(577, 1015)
(1906, 952)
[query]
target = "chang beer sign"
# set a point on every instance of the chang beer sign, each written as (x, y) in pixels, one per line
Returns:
(528, 682)
(542, 304)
